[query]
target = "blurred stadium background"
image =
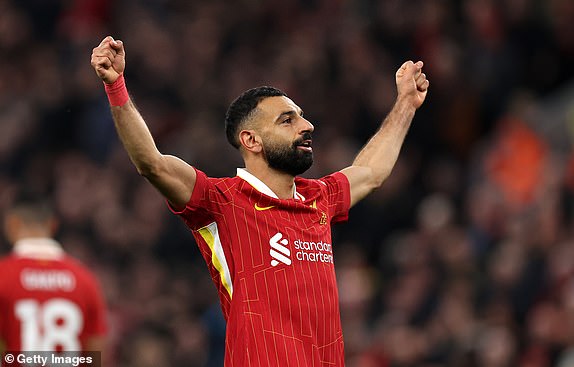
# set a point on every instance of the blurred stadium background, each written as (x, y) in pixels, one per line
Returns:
(464, 258)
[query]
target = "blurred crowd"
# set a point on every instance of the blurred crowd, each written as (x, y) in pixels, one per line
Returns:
(465, 257)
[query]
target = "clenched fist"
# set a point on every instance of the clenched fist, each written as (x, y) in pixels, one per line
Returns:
(412, 83)
(109, 59)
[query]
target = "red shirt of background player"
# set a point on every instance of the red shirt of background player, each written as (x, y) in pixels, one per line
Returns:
(48, 300)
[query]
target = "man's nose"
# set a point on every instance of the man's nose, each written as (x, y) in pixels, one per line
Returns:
(307, 125)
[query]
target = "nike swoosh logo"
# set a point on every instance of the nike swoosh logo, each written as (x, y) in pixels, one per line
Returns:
(261, 208)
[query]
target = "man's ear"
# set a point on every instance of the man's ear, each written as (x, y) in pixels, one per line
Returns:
(250, 141)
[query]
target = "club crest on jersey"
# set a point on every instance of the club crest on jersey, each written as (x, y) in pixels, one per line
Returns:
(323, 219)
(279, 251)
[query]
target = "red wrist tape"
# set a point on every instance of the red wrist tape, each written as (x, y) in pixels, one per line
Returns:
(117, 92)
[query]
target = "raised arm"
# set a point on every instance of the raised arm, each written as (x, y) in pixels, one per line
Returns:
(376, 160)
(173, 177)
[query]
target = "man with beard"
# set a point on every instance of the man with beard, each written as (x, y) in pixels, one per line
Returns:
(265, 234)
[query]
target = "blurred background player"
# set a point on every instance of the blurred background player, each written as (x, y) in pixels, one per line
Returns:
(49, 301)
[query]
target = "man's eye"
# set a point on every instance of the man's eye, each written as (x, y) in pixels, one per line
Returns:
(287, 120)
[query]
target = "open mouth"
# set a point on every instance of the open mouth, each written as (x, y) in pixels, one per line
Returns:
(305, 145)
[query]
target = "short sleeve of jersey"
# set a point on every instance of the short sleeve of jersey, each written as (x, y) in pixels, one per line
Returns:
(339, 196)
(197, 212)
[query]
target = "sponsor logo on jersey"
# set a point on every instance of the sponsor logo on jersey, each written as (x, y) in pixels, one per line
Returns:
(304, 250)
(279, 251)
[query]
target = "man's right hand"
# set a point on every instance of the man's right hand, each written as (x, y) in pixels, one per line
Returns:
(109, 59)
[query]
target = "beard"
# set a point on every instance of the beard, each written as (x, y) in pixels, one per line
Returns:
(289, 159)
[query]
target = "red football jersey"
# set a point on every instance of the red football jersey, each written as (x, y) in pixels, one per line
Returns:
(272, 262)
(48, 300)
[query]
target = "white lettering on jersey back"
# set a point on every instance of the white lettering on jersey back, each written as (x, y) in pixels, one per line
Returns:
(47, 280)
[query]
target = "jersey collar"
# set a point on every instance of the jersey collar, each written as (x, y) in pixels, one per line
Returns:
(261, 187)
(38, 248)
